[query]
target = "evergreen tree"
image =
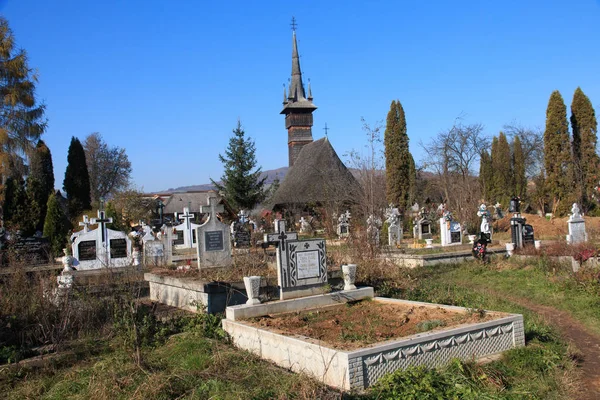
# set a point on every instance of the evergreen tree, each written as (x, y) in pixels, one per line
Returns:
(520, 180)
(21, 118)
(502, 170)
(15, 205)
(56, 225)
(242, 188)
(494, 192)
(40, 183)
(77, 180)
(585, 158)
(557, 154)
(397, 157)
(486, 176)
(412, 180)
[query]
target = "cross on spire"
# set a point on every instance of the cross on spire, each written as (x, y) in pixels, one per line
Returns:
(294, 24)
(326, 129)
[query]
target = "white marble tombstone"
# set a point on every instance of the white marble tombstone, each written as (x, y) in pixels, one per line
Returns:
(214, 237)
(577, 233)
(101, 247)
(188, 228)
(450, 232)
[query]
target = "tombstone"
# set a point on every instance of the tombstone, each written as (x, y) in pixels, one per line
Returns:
(422, 226)
(188, 238)
(450, 230)
(101, 247)
(577, 233)
(301, 264)
(498, 212)
(373, 228)
(485, 229)
(148, 234)
(305, 226)
(521, 234)
(214, 237)
(343, 225)
(241, 232)
(30, 250)
(394, 226)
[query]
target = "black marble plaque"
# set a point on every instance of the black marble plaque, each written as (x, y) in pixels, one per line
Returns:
(242, 238)
(425, 229)
(454, 237)
(343, 229)
(179, 240)
(87, 250)
(213, 241)
(32, 250)
(118, 248)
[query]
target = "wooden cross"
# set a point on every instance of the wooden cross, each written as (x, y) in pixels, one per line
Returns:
(102, 221)
(280, 237)
(85, 223)
(213, 207)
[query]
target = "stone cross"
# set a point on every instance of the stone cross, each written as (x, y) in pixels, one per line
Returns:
(213, 208)
(85, 223)
(102, 221)
(280, 236)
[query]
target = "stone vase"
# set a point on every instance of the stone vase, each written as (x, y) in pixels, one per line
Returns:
(472, 239)
(136, 255)
(252, 284)
(510, 249)
(349, 273)
(429, 244)
(67, 261)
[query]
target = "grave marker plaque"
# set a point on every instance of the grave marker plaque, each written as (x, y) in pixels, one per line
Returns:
(179, 240)
(118, 248)
(87, 250)
(213, 240)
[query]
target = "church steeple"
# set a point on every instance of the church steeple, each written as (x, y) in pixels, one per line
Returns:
(297, 108)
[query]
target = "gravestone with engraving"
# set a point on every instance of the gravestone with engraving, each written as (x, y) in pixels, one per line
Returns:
(577, 233)
(214, 237)
(241, 231)
(301, 264)
(450, 230)
(343, 225)
(29, 250)
(101, 247)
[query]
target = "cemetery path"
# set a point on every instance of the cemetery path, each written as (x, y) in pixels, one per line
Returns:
(574, 332)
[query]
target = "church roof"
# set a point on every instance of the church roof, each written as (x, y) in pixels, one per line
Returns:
(175, 202)
(318, 176)
(297, 95)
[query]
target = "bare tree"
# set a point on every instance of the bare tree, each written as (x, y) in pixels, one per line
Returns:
(453, 156)
(108, 167)
(532, 143)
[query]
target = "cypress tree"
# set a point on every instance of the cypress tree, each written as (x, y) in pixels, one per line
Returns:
(56, 225)
(40, 183)
(585, 158)
(502, 165)
(77, 181)
(412, 180)
(493, 190)
(15, 205)
(242, 187)
(557, 154)
(486, 176)
(520, 180)
(397, 158)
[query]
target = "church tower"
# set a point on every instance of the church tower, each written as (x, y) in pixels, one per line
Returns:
(297, 107)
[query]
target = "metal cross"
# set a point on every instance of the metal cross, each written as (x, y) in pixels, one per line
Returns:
(326, 129)
(102, 221)
(293, 24)
(281, 236)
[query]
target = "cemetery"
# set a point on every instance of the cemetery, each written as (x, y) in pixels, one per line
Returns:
(473, 272)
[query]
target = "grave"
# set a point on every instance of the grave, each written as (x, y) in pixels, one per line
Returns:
(343, 225)
(485, 229)
(577, 233)
(422, 226)
(450, 230)
(521, 233)
(394, 225)
(214, 237)
(373, 228)
(101, 247)
(241, 232)
(187, 239)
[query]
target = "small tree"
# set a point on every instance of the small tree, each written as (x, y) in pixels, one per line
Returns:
(40, 183)
(242, 187)
(56, 225)
(397, 158)
(77, 180)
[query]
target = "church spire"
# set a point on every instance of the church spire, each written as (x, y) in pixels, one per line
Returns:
(296, 87)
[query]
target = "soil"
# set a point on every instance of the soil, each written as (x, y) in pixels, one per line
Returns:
(358, 325)
(586, 342)
(547, 229)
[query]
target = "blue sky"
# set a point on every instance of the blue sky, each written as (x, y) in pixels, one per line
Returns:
(168, 80)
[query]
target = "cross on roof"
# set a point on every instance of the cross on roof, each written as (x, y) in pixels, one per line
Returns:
(326, 129)
(294, 24)
(280, 237)
(102, 221)
(213, 207)
(85, 223)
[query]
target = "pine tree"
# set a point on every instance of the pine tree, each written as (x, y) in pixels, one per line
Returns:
(520, 180)
(502, 170)
(557, 154)
(15, 206)
(397, 158)
(494, 191)
(21, 118)
(486, 176)
(40, 183)
(77, 180)
(242, 188)
(56, 225)
(585, 158)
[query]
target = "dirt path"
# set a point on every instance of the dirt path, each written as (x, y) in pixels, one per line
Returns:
(574, 332)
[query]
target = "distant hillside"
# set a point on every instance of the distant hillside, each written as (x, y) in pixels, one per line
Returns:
(270, 174)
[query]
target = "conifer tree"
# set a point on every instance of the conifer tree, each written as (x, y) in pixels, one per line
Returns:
(557, 154)
(21, 117)
(412, 180)
(494, 191)
(520, 180)
(397, 158)
(56, 225)
(242, 187)
(486, 176)
(77, 181)
(502, 170)
(585, 158)
(40, 183)
(15, 205)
